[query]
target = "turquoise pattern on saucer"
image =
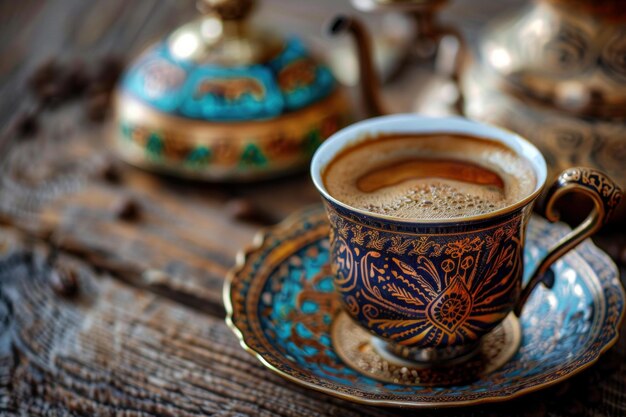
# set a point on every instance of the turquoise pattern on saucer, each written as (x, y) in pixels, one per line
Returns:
(281, 303)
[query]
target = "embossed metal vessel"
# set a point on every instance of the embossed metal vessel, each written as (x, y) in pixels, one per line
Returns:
(555, 73)
(440, 285)
(219, 99)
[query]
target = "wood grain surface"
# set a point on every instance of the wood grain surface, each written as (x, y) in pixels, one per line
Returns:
(114, 350)
(78, 342)
(183, 237)
(111, 311)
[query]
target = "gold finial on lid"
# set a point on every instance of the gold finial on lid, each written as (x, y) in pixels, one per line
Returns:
(227, 9)
(223, 37)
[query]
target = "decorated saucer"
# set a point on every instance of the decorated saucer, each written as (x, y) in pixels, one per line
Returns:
(281, 304)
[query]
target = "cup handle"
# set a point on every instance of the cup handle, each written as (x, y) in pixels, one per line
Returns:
(606, 196)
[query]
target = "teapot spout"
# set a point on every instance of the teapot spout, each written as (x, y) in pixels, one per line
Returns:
(369, 83)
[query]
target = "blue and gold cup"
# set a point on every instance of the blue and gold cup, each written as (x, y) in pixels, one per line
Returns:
(429, 290)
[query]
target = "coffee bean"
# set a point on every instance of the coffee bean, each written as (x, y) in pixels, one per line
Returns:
(49, 83)
(243, 209)
(111, 174)
(76, 79)
(52, 94)
(64, 281)
(48, 72)
(27, 124)
(54, 83)
(128, 210)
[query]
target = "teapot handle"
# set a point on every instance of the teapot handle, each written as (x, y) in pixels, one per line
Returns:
(606, 196)
(458, 65)
(371, 92)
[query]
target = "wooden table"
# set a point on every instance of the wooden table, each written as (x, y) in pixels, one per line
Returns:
(110, 310)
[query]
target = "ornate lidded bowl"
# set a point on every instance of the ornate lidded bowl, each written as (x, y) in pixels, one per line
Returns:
(556, 73)
(220, 100)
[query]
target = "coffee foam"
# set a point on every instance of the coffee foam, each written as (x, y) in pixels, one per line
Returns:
(428, 197)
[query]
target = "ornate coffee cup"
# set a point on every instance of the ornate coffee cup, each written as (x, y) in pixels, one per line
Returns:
(430, 289)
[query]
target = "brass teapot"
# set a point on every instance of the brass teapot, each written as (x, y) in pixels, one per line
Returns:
(220, 99)
(555, 72)
(428, 43)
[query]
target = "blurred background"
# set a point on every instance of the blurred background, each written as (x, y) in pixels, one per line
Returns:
(97, 254)
(33, 32)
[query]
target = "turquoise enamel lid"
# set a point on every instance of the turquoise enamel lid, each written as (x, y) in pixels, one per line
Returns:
(288, 81)
(218, 68)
